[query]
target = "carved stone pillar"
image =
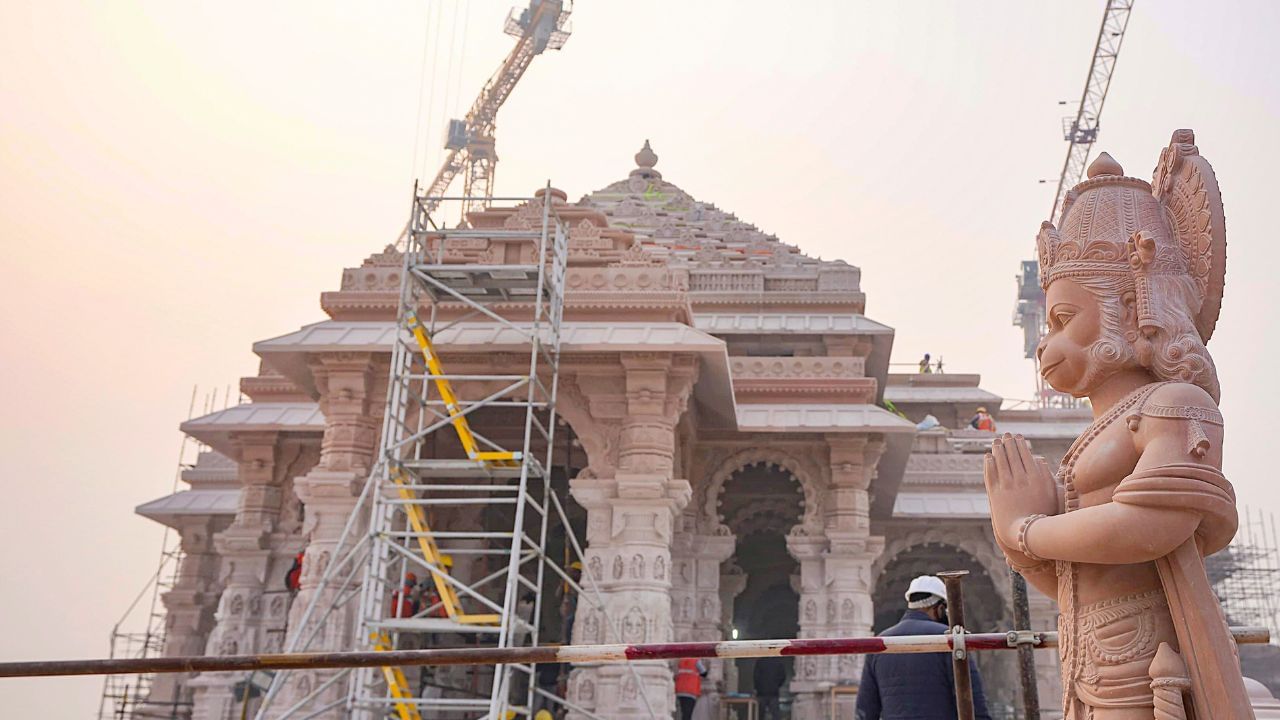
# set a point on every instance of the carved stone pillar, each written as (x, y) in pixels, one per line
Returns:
(352, 407)
(732, 582)
(695, 589)
(244, 622)
(632, 500)
(835, 574)
(189, 612)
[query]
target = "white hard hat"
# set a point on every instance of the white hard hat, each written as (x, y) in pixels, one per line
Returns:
(926, 584)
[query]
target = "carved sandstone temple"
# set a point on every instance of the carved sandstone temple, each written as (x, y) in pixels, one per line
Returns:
(732, 466)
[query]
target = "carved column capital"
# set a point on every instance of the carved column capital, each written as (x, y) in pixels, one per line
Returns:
(346, 383)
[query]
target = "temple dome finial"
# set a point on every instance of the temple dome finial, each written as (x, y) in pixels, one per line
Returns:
(1104, 164)
(646, 158)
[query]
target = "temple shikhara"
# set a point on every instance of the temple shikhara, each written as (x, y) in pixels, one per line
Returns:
(733, 454)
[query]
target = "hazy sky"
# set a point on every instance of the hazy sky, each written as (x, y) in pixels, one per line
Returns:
(179, 179)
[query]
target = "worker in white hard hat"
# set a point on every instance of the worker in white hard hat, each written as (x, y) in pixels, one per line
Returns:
(916, 685)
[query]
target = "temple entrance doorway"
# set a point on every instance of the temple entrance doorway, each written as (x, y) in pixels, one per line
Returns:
(760, 504)
(985, 610)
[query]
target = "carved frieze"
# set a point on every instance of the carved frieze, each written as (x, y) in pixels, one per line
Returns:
(802, 368)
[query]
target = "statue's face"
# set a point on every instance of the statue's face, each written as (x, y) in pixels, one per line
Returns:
(1075, 326)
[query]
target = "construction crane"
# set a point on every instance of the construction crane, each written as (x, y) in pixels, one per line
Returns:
(1080, 132)
(541, 26)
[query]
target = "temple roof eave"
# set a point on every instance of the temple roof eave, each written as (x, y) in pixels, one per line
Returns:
(288, 354)
(217, 429)
(170, 509)
(907, 394)
(799, 323)
(765, 323)
(827, 418)
(942, 505)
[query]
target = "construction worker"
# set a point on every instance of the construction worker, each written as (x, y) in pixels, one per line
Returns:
(925, 366)
(769, 675)
(430, 596)
(293, 578)
(547, 677)
(689, 674)
(569, 602)
(916, 685)
(982, 421)
(403, 602)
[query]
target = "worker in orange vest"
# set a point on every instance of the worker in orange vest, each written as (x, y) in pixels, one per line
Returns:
(689, 674)
(431, 596)
(982, 421)
(403, 604)
(293, 578)
(431, 600)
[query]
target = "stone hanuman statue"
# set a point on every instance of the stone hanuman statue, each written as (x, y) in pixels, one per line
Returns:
(1134, 283)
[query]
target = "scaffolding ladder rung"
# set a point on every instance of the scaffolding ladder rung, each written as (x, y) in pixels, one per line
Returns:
(463, 469)
(465, 488)
(438, 625)
(453, 501)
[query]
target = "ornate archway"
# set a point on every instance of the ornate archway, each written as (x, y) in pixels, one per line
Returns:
(804, 472)
(761, 503)
(975, 540)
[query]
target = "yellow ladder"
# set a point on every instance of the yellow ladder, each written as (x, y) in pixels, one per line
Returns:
(431, 553)
(501, 458)
(396, 682)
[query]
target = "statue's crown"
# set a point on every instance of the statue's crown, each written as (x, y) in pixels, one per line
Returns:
(1113, 225)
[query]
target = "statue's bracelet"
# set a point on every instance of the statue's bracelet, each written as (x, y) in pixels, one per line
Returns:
(1022, 538)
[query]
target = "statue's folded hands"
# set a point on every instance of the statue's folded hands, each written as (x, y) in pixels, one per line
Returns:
(1021, 489)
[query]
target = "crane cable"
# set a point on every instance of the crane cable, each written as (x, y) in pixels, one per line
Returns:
(431, 101)
(462, 62)
(422, 79)
(448, 73)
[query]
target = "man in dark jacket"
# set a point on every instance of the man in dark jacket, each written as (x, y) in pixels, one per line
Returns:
(769, 676)
(916, 686)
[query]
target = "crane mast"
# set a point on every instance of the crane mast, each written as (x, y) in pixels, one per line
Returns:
(541, 26)
(1080, 132)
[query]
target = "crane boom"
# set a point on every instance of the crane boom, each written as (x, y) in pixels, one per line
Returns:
(1083, 130)
(543, 25)
(1080, 133)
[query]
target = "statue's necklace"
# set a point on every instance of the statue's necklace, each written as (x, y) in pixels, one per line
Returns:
(1067, 474)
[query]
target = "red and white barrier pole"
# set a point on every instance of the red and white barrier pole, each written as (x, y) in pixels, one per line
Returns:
(565, 653)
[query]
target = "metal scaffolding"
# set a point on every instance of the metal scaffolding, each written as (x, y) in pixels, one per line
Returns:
(129, 696)
(141, 631)
(1246, 574)
(434, 458)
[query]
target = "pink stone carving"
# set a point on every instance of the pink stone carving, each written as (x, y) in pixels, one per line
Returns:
(1134, 282)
